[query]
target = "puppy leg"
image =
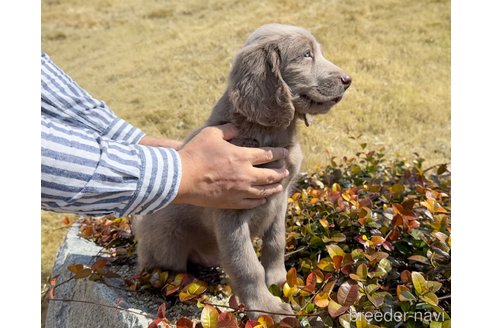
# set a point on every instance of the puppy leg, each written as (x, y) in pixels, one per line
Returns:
(273, 250)
(245, 271)
(160, 248)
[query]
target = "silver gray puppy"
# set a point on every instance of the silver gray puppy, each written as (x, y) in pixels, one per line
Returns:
(279, 75)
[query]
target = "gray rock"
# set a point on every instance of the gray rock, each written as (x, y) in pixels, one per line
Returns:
(84, 298)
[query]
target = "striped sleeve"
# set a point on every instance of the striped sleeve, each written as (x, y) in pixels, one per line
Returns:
(83, 172)
(63, 98)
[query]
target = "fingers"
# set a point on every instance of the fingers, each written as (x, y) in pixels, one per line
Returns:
(264, 176)
(258, 195)
(227, 131)
(266, 154)
(264, 191)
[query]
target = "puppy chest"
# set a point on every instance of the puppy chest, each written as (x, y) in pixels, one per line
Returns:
(263, 217)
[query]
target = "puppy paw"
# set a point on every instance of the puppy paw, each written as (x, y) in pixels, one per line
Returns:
(271, 306)
(275, 276)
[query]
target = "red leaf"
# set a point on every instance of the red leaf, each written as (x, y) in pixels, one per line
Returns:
(292, 277)
(395, 234)
(387, 246)
(413, 224)
(161, 311)
(52, 293)
(335, 309)
(406, 276)
(99, 264)
(154, 323)
(337, 261)
(310, 283)
(234, 303)
(290, 322)
(75, 268)
(184, 323)
(227, 320)
(66, 220)
(347, 294)
(251, 324)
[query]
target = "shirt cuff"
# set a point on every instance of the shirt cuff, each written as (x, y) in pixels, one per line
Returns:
(159, 181)
(121, 130)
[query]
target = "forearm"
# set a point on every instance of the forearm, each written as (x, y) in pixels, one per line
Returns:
(88, 174)
(64, 99)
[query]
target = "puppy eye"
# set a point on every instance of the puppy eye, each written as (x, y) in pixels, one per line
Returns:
(308, 54)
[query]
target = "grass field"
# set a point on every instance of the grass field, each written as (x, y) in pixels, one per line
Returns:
(163, 64)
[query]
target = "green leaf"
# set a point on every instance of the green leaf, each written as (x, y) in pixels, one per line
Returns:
(275, 290)
(435, 324)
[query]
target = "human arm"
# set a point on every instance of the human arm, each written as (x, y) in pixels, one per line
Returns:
(82, 172)
(160, 142)
(62, 98)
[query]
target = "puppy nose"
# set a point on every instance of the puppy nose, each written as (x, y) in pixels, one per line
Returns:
(346, 80)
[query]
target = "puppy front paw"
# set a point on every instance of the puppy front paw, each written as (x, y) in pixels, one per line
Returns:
(275, 276)
(270, 306)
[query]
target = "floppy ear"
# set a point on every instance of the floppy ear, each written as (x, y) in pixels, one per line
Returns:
(257, 89)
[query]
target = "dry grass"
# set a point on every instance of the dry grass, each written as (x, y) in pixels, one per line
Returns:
(162, 65)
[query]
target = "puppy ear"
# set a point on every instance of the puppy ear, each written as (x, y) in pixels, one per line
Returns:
(257, 89)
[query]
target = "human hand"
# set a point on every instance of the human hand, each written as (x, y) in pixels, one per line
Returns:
(160, 142)
(216, 173)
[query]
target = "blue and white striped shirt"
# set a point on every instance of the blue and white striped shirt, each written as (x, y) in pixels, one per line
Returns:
(90, 160)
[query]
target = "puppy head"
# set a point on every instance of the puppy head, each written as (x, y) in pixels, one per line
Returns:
(256, 87)
(281, 71)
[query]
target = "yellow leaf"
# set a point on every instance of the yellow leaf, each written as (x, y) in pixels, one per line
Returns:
(335, 309)
(209, 317)
(430, 298)
(292, 277)
(324, 223)
(266, 321)
(289, 291)
(377, 240)
(322, 299)
(419, 283)
(335, 250)
(194, 289)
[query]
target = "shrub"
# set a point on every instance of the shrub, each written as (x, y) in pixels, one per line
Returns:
(368, 245)
(369, 237)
